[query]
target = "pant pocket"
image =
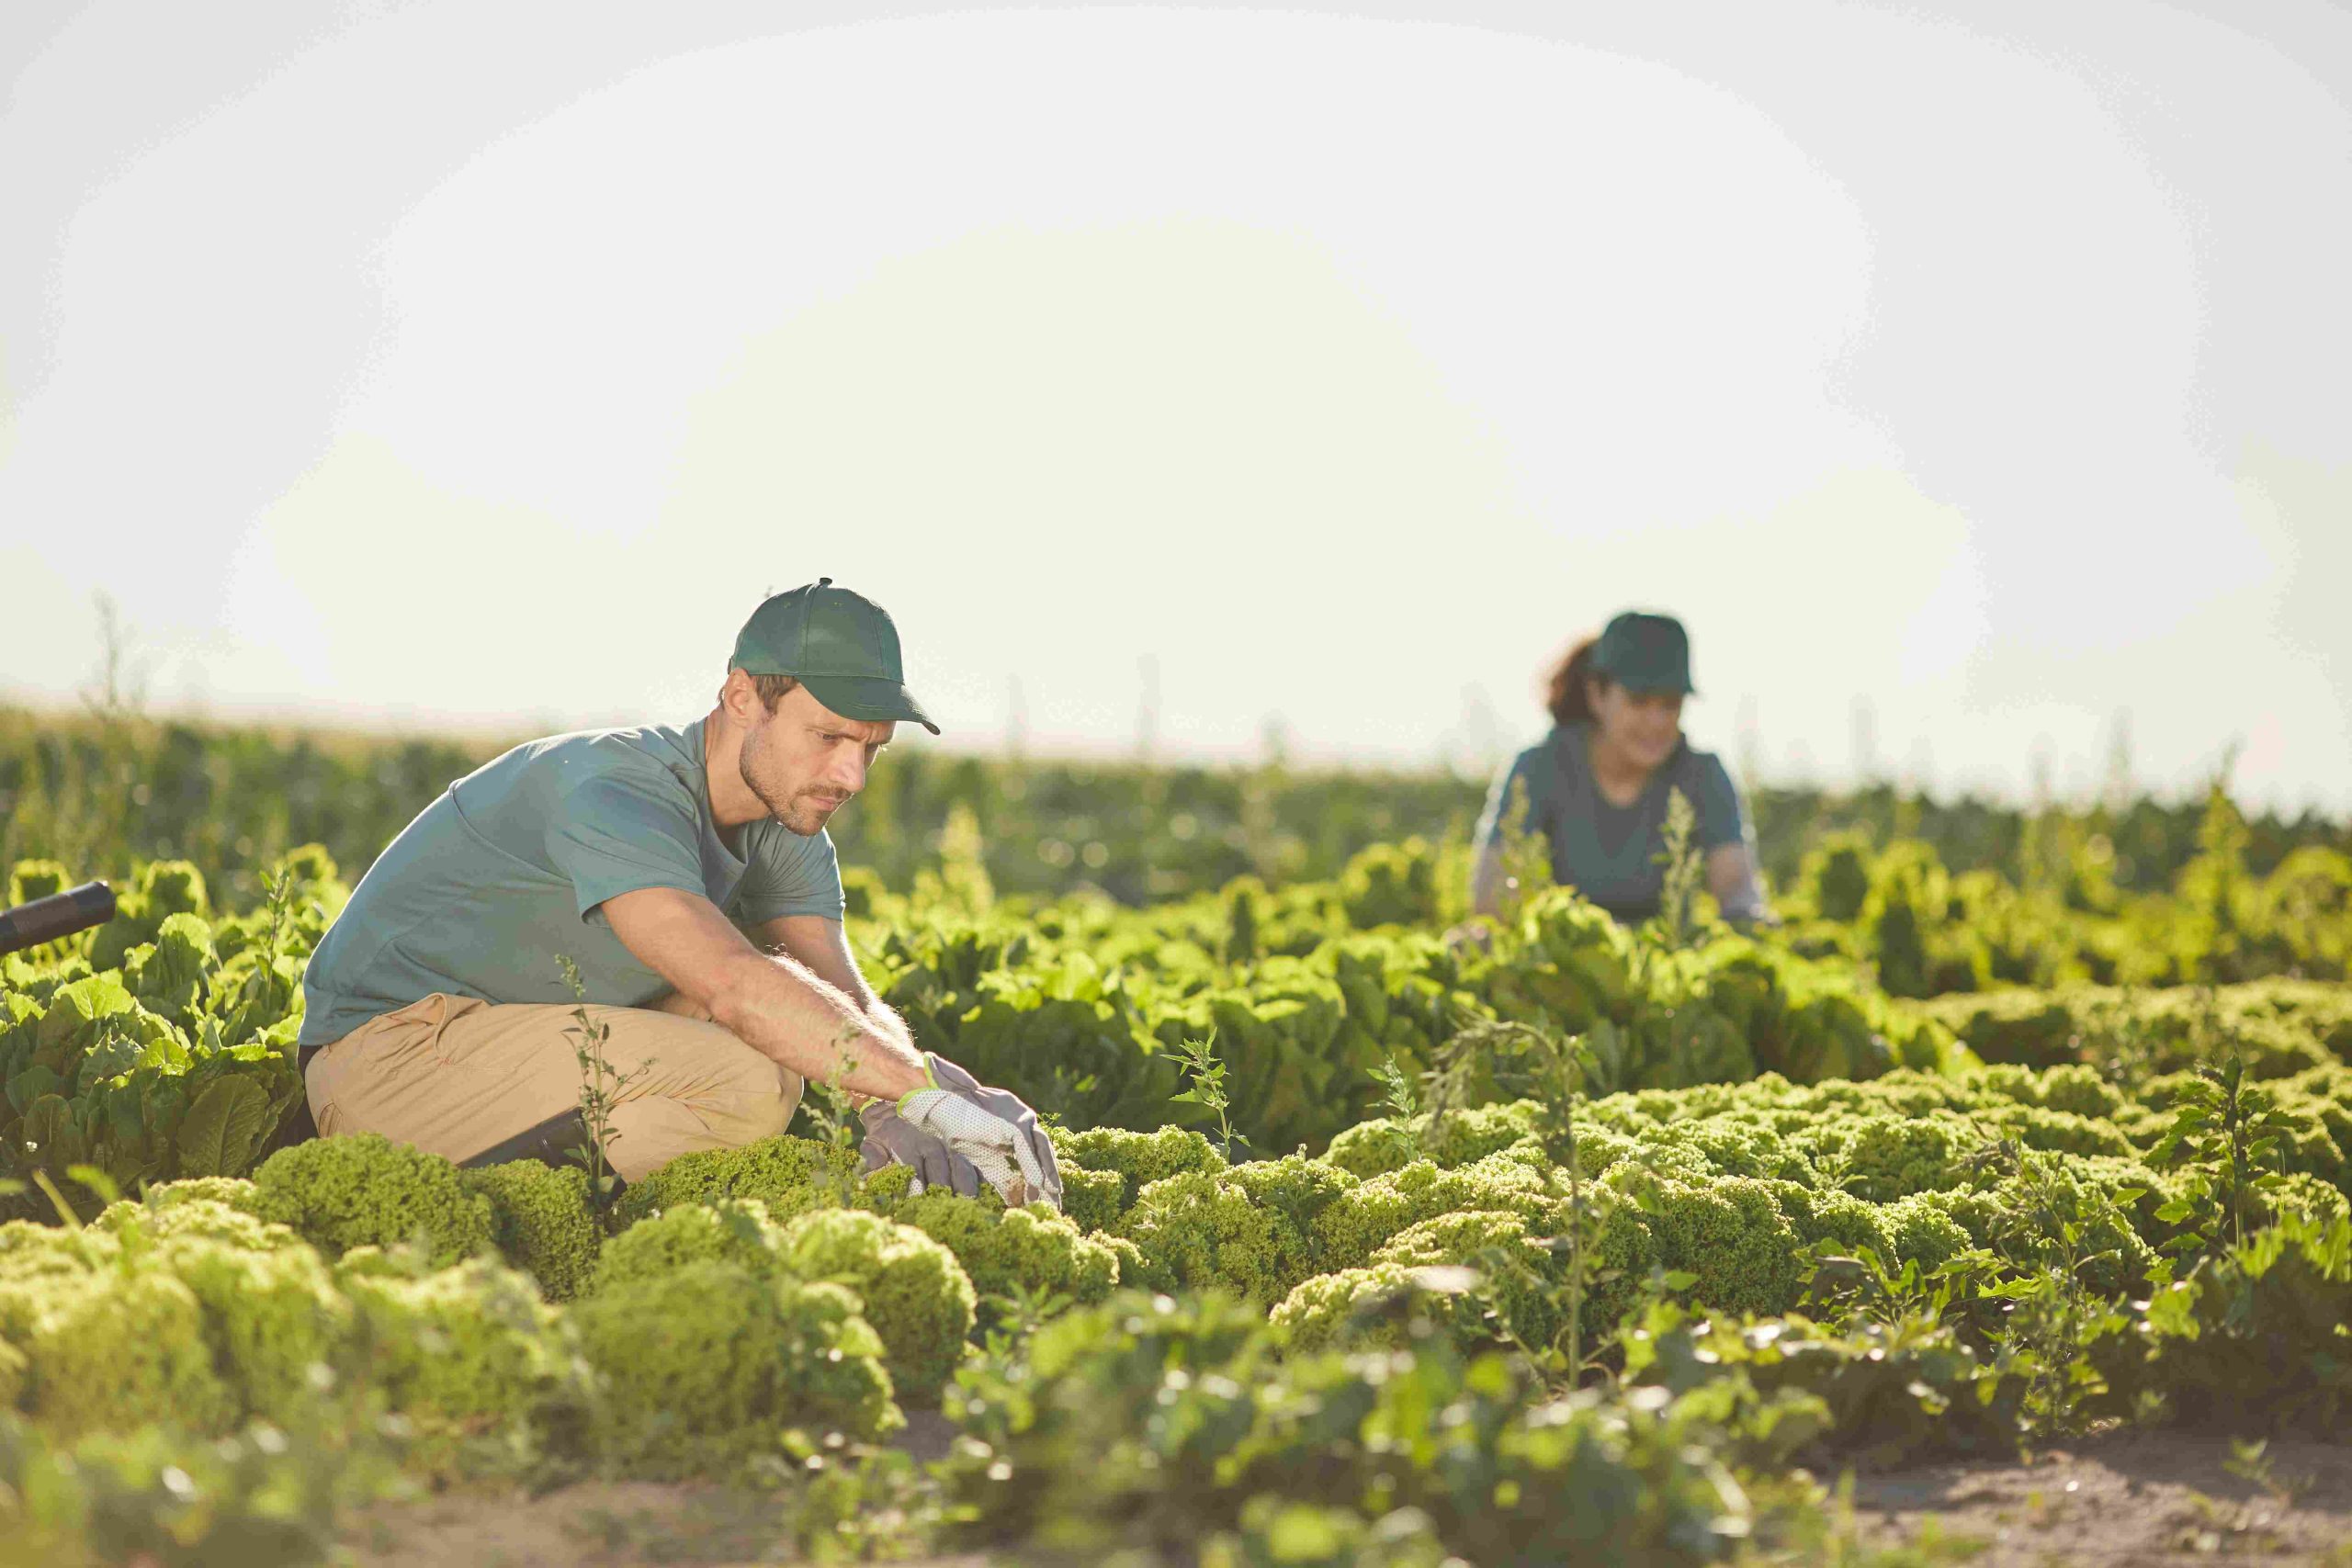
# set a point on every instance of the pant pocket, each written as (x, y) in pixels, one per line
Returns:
(353, 1070)
(417, 1034)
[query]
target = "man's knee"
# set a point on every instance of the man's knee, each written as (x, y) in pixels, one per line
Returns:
(755, 1100)
(755, 1104)
(766, 1109)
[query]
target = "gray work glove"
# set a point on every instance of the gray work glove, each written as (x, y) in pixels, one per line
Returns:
(956, 1129)
(890, 1140)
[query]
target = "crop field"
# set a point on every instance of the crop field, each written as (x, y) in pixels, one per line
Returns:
(1992, 1207)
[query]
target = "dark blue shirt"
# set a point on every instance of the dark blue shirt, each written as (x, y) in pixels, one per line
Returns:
(1606, 852)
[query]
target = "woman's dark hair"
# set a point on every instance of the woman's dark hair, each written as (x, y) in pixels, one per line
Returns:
(1567, 690)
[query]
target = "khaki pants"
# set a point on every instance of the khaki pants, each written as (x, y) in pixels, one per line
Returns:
(456, 1076)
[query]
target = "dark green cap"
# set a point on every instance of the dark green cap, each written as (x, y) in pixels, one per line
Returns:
(1644, 652)
(842, 645)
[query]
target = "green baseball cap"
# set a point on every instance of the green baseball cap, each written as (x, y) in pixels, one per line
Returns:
(1645, 652)
(842, 645)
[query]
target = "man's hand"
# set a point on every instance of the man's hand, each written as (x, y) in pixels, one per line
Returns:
(958, 1131)
(891, 1139)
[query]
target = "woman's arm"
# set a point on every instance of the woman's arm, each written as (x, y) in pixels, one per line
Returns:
(1510, 804)
(1486, 880)
(1732, 877)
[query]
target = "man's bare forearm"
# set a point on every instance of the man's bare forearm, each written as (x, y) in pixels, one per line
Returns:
(782, 1009)
(884, 1017)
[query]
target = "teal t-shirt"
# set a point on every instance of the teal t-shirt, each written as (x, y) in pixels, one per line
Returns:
(1604, 850)
(511, 865)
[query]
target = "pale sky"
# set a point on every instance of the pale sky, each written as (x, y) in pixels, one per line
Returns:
(479, 366)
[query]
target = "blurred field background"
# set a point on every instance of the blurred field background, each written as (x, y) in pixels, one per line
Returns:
(100, 791)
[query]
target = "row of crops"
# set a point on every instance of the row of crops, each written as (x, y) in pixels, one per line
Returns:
(105, 792)
(1509, 1246)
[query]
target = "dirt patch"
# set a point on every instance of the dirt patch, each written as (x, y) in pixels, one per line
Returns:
(603, 1524)
(2132, 1498)
(592, 1525)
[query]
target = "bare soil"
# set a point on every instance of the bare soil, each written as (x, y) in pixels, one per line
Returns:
(2127, 1500)
(2130, 1500)
(602, 1524)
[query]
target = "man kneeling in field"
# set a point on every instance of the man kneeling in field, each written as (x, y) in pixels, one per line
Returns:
(437, 1008)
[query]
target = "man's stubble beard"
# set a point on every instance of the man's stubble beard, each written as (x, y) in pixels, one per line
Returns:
(796, 814)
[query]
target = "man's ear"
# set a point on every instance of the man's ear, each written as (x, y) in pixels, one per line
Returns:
(738, 695)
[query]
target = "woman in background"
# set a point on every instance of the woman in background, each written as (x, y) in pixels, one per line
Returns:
(1597, 786)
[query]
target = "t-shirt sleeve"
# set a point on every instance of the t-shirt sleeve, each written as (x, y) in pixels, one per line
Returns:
(790, 875)
(1721, 819)
(615, 832)
(1522, 773)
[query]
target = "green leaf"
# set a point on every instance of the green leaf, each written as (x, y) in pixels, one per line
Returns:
(33, 1083)
(48, 1131)
(223, 1128)
(96, 1180)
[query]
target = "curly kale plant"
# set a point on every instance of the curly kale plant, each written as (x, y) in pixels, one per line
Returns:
(1094, 1200)
(912, 1289)
(485, 1372)
(1196, 1231)
(105, 1349)
(274, 1318)
(1362, 1309)
(1516, 1274)
(231, 1191)
(1732, 1235)
(732, 1230)
(915, 1294)
(706, 1368)
(543, 1222)
(1358, 1221)
(789, 1175)
(366, 1190)
(1250, 1229)
(1011, 1252)
(1466, 1135)
(1138, 1159)
(196, 1217)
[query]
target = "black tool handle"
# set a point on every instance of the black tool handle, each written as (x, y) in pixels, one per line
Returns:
(60, 914)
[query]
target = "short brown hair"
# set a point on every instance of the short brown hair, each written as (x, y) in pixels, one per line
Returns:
(1567, 692)
(771, 688)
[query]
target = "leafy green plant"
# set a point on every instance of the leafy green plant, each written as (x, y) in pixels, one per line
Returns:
(1400, 1094)
(1205, 1085)
(155, 1495)
(2055, 1319)
(1685, 870)
(2255, 1335)
(2226, 1134)
(1520, 1061)
(829, 1109)
(1523, 858)
(601, 1086)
